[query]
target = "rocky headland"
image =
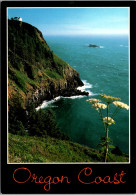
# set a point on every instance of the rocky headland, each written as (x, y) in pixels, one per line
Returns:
(35, 72)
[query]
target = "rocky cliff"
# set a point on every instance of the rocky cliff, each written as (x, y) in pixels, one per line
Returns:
(34, 71)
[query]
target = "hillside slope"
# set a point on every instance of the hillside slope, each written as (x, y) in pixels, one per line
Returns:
(29, 149)
(34, 71)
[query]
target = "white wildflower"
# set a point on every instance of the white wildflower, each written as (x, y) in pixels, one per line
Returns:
(109, 99)
(110, 121)
(93, 100)
(121, 105)
(99, 106)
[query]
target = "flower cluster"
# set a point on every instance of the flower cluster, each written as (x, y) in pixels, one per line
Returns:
(93, 100)
(109, 99)
(121, 105)
(99, 106)
(96, 104)
(108, 120)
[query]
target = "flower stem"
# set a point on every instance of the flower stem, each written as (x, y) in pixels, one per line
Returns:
(100, 113)
(115, 112)
(106, 150)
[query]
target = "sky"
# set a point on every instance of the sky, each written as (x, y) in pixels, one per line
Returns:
(75, 21)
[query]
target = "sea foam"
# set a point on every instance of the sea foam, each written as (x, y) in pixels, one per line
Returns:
(86, 86)
(46, 103)
(123, 45)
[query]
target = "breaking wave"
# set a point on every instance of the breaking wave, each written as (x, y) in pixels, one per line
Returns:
(86, 88)
(123, 46)
(46, 103)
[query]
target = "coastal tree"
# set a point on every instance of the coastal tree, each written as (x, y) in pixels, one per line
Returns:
(106, 142)
(16, 116)
(43, 122)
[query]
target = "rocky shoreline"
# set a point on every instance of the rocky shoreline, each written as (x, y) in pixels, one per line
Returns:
(41, 95)
(73, 92)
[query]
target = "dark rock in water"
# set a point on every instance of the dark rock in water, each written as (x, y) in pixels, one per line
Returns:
(95, 46)
(117, 151)
(43, 94)
(73, 92)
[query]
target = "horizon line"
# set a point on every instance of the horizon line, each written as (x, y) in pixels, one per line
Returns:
(114, 34)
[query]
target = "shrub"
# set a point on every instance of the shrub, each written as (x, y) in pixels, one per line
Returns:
(16, 116)
(43, 123)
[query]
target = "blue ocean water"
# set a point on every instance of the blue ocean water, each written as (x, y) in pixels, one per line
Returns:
(104, 70)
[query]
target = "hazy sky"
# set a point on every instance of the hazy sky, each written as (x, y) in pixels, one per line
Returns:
(75, 21)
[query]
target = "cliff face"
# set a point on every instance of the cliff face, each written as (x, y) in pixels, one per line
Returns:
(33, 69)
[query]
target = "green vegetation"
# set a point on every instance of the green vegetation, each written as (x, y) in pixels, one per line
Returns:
(34, 136)
(52, 74)
(106, 142)
(30, 149)
(30, 61)
(17, 119)
(28, 121)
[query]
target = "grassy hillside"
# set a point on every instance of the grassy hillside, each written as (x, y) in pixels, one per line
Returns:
(29, 52)
(33, 66)
(29, 149)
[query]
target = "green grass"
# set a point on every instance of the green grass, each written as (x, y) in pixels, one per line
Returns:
(30, 60)
(22, 79)
(59, 61)
(28, 149)
(52, 74)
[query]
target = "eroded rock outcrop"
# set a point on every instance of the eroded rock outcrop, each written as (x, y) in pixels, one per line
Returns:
(35, 72)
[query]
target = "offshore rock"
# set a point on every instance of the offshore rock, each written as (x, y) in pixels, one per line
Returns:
(94, 46)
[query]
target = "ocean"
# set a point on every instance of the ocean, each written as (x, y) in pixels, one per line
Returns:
(103, 70)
